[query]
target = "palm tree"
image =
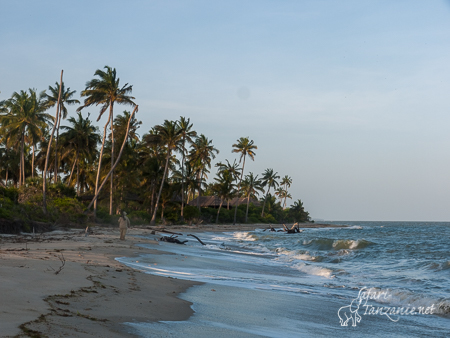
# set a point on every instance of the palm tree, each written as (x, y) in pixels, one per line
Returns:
(269, 180)
(244, 147)
(233, 170)
(170, 135)
(106, 91)
(188, 135)
(250, 186)
(286, 181)
(80, 139)
(202, 151)
(223, 187)
(50, 100)
(297, 211)
(23, 118)
(281, 193)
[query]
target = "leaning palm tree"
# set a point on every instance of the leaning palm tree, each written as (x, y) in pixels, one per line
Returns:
(251, 186)
(23, 118)
(106, 91)
(202, 151)
(188, 135)
(244, 147)
(50, 100)
(269, 180)
(170, 135)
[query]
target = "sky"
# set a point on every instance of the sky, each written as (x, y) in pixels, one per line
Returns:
(349, 98)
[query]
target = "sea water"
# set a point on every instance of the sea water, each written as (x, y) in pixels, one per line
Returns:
(273, 284)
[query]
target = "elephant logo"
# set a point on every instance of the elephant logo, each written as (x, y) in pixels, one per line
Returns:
(348, 312)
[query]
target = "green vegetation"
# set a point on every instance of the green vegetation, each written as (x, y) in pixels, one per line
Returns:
(156, 178)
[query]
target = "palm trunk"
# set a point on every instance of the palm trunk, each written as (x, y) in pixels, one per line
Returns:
(246, 213)
(78, 179)
(73, 168)
(55, 179)
(239, 188)
(44, 183)
(112, 159)
(218, 211)
(153, 221)
(264, 205)
(182, 180)
(100, 167)
(32, 164)
(199, 189)
(22, 160)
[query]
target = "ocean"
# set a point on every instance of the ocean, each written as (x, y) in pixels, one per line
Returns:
(365, 279)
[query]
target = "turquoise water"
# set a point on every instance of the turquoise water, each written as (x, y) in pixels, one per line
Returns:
(407, 263)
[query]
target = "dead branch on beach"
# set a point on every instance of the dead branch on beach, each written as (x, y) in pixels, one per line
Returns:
(63, 262)
(198, 239)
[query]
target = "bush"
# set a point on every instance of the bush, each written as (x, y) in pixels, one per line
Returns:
(139, 216)
(68, 209)
(61, 190)
(190, 212)
(6, 208)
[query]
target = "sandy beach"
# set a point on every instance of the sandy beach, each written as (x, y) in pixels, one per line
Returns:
(65, 284)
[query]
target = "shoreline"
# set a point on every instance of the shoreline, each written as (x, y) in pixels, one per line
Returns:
(63, 283)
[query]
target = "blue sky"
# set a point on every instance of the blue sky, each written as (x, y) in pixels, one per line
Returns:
(349, 98)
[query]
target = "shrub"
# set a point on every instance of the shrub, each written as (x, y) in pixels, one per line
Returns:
(190, 212)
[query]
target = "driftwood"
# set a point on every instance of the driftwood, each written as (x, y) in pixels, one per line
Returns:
(294, 229)
(171, 239)
(170, 232)
(198, 239)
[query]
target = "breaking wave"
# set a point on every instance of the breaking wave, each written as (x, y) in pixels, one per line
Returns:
(339, 244)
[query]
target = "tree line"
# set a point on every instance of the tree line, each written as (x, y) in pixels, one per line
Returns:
(154, 175)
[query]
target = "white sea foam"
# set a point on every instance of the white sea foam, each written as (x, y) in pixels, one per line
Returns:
(410, 299)
(313, 270)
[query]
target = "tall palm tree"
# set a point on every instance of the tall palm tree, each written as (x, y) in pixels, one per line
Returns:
(106, 91)
(286, 181)
(269, 180)
(251, 186)
(188, 135)
(23, 118)
(50, 100)
(202, 152)
(170, 135)
(79, 139)
(243, 147)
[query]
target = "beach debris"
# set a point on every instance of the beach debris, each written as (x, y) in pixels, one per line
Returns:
(294, 229)
(171, 239)
(198, 239)
(63, 262)
(170, 232)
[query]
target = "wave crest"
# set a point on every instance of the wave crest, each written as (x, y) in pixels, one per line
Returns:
(337, 244)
